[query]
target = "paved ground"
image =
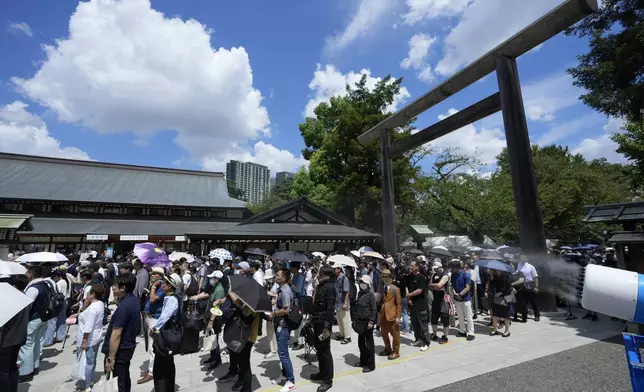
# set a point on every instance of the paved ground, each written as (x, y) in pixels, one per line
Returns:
(599, 366)
(414, 371)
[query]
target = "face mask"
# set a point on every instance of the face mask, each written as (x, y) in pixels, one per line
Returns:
(237, 272)
(364, 286)
(212, 281)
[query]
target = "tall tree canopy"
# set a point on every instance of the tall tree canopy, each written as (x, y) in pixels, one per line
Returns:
(612, 72)
(348, 170)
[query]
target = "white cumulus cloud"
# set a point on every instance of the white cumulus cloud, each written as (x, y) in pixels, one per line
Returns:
(603, 146)
(20, 28)
(419, 10)
(545, 97)
(328, 82)
(419, 46)
(483, 25)
(367, 15)
(484, 144)
(22, 132)
(264, 154)
(126, 67)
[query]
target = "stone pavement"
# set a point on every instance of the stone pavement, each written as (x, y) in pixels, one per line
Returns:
(413, 371)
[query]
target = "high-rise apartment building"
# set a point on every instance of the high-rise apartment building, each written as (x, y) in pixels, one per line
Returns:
(280, 177)
(250, 178)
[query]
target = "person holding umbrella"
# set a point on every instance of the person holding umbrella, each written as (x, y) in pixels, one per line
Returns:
(13, 332)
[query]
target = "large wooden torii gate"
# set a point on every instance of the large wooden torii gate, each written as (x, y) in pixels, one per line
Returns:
(508, 100)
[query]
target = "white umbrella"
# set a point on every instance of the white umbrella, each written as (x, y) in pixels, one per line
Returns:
(176, 256)
(440, 247)
(13, 301)
(342, 260)
(374, 255)
(355, 253)
(42, 257)
(10, 268)
(221, 253)
(319, 254)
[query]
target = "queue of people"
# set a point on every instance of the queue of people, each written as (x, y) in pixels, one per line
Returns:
(395, 296)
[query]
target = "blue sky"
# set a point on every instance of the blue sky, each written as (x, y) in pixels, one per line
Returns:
(192, 84)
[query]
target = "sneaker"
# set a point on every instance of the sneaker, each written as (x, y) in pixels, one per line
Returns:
(269, 355)
(346, 341)
(417, 343)
(289, 386)
(443, 340)
(227, 377)
(297, 347)
(434, 338)
(470, 338)
(325, 386)
(424, 347)
(281, 380)
(461, 335)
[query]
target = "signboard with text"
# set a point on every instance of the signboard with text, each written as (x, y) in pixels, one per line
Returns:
(133, 238)
(180, 238)
(97, 237)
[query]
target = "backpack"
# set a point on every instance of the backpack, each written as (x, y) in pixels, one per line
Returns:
(52, 304)
(193, 287)
(353, 291)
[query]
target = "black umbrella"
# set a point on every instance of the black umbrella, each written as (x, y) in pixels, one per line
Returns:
(251, 293)
(440, 252)
(290, 256)
(255, 251)
(415, 252)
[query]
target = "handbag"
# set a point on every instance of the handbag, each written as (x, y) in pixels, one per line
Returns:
(169, 339)
(106, 384)
(447, 306)
(209, 341)
(236, 334)
(78, 371)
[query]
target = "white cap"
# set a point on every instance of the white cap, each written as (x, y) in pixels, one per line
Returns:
(216, 274)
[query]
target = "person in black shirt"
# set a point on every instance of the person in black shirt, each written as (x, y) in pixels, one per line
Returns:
(124, 327)
(416, 299)
(322, 319)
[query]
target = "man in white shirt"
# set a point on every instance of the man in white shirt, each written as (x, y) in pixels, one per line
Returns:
(89, 332)
(56, 328)
(527, 294)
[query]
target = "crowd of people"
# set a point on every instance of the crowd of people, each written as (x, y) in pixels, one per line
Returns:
(112, 303)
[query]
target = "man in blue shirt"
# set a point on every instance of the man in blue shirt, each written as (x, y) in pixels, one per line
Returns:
(124, 327)
(462, 285)
(152, 311)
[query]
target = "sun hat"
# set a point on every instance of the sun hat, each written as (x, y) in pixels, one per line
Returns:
(366, 279)
(269, 274)
(173, 280)
(158, 270)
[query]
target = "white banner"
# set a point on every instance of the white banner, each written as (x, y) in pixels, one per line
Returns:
(96, 237)
(180, 238)
(134, 238)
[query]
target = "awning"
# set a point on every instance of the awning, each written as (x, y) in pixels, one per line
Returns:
(421, 230)
(616, 213)
(634, 237)
(15, 221)
(289, 231)
(71, 226)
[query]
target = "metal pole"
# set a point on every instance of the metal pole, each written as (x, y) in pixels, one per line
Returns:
(524, 182)
(388, 206)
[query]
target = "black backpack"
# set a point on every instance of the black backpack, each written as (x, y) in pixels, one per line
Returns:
(53, 302)
(193, 287)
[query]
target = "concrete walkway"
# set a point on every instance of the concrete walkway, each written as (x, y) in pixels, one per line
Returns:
(414, 371)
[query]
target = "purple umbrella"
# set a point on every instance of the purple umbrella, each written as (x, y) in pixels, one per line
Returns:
(151, 255)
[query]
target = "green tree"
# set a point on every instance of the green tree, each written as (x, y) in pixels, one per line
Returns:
(350, 171)
(319, 194)
(631, 144)
(235, 192)
(612, 72)
(566, 183)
